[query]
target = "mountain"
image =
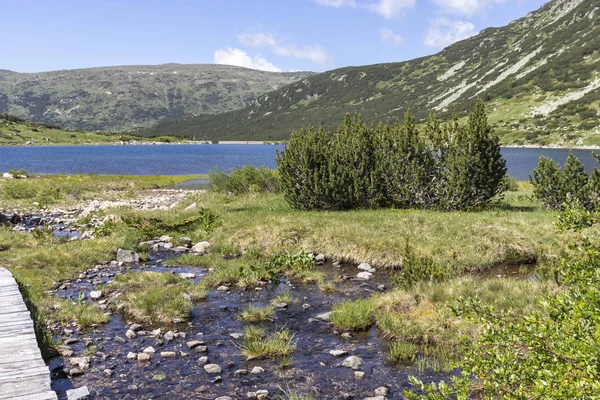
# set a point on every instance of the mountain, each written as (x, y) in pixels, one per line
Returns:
(539, 76)
(121, 98)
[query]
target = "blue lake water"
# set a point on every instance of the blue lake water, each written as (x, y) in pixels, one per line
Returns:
(200, 159)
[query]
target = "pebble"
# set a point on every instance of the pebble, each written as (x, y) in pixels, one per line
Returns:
(143, 357)
(203, 360)
(353, 362)
(223, 289)
(359, 374)
(338, 353)
(81, 393)
(149, 350)
(107, 373)
(194, 343)
(168, 354)
(95, 295)
(236, 335)
(257, 370)
(136, 327)
(364, 275)
(130, 334)
(381, 391)
(212, 368)
(131, 356)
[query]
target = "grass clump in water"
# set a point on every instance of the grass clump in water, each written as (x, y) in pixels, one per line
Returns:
(257, 314)
(275, 345)
(152, 297)
(354, 315)
(284, 297)
(84, 314)
(402, 352)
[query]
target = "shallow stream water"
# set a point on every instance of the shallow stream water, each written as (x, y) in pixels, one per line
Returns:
(213, 320)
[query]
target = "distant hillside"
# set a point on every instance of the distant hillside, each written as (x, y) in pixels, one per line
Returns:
(15, 131)
(539, 76)
(121, 98)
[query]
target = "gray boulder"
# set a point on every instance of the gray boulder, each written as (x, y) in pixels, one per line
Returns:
(127, 256)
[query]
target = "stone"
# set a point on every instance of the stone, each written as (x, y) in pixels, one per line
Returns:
(149, 350)
(236, 335)
(320, 258)
(168, 354)
(359, 374)
(107, 373)
(353, 362)
(222, 289)
(194, 343)
(8, 175)
(81, 393)
(364, 275)
(338, 353)
(251, 395)
(201, 349)
(80, 362)
(95, 295)
(224, 398)
(280, 305)
(212, 368)
(127, 256)
(187, 275)
(130, 334)
(324, 316)
(372, 398)
(169, 336)
(191, 207)
(166, 239)
(131, 356)
(143, 357)
(262, 394)
(365, 267)
(347, 335)
(201, 247)
(381, 391)
(257, 370)
(241, 372)
(203, 360)
(136, 327)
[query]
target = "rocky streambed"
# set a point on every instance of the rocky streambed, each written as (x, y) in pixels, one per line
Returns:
(203, 358)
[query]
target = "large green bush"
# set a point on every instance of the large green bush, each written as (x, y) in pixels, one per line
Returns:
(553, 186)
(447, 166)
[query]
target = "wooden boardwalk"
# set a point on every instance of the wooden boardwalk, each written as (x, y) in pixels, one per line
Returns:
(23, 373)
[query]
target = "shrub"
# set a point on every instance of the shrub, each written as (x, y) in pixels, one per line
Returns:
(359, 166)
(553, 186)
(247, 179)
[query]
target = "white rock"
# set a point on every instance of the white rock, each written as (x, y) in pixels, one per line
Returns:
(364, 275)
(364, 267)
(212, 368)
(187, 275)
(201, 247)
(131, 355)
(353, 362)
(7, 175)
(168, 354)
(338, 353)
(257, 370)
(95, 295)
(81, 393)
(191, 207)
(143, 357)
(323, 316)
(381, 391)
(149, 350)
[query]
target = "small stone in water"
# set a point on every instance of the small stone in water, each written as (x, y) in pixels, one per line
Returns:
(338, 353)
(168, 354)
(203, 360)
(95, 294)
(364, 275)
(143, 357)
(149, 350)
(212, 368)
(130, 334)
(381, 391)
(353, 362)
(107, 373)
(131, 355)
(359, 374)
(236, 335)
(257, 370)
(194, 343)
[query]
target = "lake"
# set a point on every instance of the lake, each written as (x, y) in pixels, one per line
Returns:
(200, 159)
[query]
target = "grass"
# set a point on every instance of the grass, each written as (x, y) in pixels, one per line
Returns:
(355, 315)
(258, 344)
(517, 230)
(85, 315)
(257, 314)
(153, 297)
(402, 352)
(284, 297)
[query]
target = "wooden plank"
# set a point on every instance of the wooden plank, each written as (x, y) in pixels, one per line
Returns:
(23, 373)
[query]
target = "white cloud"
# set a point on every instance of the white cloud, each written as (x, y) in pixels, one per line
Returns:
(390, 8)
(336, 3)
(388, 36)
(465, 7)
(443, 32)
(316, 54)
(233, 56)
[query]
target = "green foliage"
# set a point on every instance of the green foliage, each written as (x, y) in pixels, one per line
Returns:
(354, 315)
(417, 268)
(551, 353)
(448, 167)
(553, 185)
(247, 179)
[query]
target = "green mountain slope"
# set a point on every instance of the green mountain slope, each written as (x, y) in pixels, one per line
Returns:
(539, 75)
(119, 98)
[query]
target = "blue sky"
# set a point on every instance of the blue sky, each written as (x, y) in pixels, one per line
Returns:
(276, 35)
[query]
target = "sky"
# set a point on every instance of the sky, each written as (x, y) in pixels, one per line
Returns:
(272, 35)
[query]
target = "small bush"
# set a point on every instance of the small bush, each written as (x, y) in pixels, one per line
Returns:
(247, 179)
(554, 186)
